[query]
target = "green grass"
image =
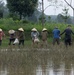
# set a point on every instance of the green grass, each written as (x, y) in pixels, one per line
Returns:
(7, 24)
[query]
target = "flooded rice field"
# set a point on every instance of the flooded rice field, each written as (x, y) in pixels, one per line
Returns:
(37, 61)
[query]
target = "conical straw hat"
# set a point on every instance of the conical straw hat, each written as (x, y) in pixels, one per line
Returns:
(34, 29)
(11, 31)
(44, 29)
(0, 29)
(21, 29)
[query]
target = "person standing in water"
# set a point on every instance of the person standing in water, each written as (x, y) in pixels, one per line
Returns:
(21, 36)
(56, 36)
(44, 35)
(11, 36)
(68, 37)
(1, 35)
(34, 36)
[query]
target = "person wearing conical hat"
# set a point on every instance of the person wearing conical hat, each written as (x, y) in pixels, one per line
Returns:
(21, 36)
(44, 35)
(11, 36)
(34, 29)
(21, 29)
(1, 35)
(34, 36)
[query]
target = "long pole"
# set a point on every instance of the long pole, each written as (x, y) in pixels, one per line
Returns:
(42, 13)
(73, 16)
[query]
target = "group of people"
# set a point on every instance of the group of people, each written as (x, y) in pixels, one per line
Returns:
(56, 36)
(19, 37)
(68, 35)
(35, 36)
(14, 36)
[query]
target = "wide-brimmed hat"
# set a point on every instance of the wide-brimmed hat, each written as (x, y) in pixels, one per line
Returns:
(11, 31)
(44, 29)
(34, 29)
(0, 29)
(21, 29)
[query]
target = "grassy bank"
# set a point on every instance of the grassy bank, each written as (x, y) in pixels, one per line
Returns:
(7, 24)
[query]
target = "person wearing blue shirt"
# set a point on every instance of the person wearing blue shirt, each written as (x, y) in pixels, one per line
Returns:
(56, 35)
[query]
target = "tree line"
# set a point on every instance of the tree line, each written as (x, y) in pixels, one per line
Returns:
(22, 9)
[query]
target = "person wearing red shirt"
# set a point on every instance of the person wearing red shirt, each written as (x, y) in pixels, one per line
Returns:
(1, 35)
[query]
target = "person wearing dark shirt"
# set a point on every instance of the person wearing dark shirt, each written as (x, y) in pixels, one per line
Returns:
(11, 36)
(68, 38)
(56, 36)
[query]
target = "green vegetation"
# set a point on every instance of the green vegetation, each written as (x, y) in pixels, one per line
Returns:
(7, 24)
(21, 7)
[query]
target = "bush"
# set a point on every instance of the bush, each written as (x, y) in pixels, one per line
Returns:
(7, 24)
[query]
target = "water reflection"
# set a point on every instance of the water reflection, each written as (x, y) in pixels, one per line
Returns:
(36, 62)
(3, 70)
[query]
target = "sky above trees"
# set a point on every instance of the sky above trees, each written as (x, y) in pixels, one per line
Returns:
(51, 10)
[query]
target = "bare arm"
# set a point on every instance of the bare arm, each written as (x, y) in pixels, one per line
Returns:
(72, 32)
(62, 32)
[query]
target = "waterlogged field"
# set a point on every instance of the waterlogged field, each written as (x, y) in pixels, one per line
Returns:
(33, 60)
(54, 60)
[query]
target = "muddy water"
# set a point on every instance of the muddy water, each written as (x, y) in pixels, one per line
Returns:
(37, 62)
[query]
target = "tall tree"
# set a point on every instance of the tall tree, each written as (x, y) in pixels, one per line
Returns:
(59, 18)
(42, 8)
(65, 14)
(22, 7)
(1, 9)
(69, 3)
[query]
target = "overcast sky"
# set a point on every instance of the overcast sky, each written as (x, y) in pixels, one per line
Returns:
(53, 10)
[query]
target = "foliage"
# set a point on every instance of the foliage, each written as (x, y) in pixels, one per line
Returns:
(14, 16)
(61, 20)
(70, 4)
(22, 7)
(7, 24)
(42, 17)
(49, 18)
(65, 14)
(1, 9)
